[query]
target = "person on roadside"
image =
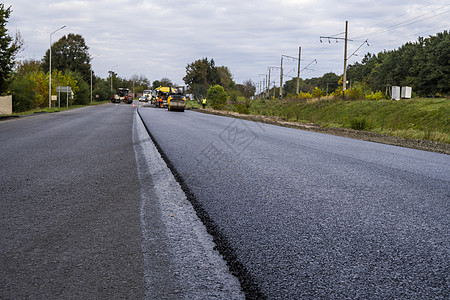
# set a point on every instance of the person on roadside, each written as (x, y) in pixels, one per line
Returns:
(204, 103)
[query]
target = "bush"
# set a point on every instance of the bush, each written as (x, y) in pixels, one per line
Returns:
(317, 93)
(359, 123)
(217, 97)
(103, 90)
(242, 108)
(233, 96)
(302, 95)
(354, 94)
(23, 90)
(375, 96)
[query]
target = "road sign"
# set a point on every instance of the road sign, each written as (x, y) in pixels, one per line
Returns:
(63, 89)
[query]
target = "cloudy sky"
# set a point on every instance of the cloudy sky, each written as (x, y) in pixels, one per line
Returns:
(159, 38)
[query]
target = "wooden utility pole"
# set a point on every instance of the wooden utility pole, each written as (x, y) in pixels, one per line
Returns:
(298, 70)
(344, 83)
(281, 78)
(268, 86)
(344, 77)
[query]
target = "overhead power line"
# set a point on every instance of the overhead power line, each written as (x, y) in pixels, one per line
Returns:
(407, 22)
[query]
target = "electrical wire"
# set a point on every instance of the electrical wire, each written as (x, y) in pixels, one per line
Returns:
(407, 22)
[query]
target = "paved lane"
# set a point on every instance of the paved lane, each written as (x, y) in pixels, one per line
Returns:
(311, 215)
(89, 210)
(70, 198)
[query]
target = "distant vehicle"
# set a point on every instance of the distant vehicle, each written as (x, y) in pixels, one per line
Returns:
(143, 99)
(148, 94)
(124, 96)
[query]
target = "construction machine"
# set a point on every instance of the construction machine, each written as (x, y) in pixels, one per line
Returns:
(122, 95)
(171, 98)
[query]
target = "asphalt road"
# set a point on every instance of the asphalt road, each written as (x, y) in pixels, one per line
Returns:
(89, 210)
(70, 198)
(308, 215)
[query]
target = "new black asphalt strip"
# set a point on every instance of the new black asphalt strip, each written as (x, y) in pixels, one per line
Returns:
(309, 215)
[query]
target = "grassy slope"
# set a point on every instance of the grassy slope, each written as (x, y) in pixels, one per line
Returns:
(413, 118)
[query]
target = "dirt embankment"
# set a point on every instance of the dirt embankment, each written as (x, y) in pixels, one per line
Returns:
(356, 134)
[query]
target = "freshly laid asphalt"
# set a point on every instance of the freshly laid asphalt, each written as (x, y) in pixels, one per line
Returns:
(309, 215)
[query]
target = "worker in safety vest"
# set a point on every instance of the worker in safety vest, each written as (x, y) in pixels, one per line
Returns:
(204, 102)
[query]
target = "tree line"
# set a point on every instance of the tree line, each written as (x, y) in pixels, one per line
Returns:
(423, 65)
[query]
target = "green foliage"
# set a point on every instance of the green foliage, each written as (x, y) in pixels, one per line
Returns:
(375, 96)
(202, 73)
(411, 118)
(9, 47)
(247, 88)
(30, 89)
(217, 97)
(242, 107)
(317, 93)
(70, 53)
(233, 96)
(423, 65)
(24, 91)
(328, 82)
(354, 94)
(140, 83)
(163, 82)
(83, 92)
(102, 89)
(302, 95)
(359, 123)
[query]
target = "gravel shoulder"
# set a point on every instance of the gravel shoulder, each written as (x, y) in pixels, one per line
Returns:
(425, 145)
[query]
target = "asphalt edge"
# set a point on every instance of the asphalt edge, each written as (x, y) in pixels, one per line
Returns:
(419, 144)
(248, 284)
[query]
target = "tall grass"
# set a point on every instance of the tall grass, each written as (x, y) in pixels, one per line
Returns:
(410, 118)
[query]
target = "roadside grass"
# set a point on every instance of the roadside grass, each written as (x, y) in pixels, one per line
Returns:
(418, 118)
(53, 109)
(193, 104)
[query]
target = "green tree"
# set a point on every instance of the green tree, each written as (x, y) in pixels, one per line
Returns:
(23, 89)
(225, 78)
(102, 89)
(27, 66)
(9, 47)
(140, 83)
(83, 93)
(217, 97)
(70, 53)
(162, 82)
(424, 65)
(203, 73)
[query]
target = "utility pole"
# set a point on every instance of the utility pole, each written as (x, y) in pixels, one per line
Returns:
(263, 90)
(274, 87)
(298, 70)
(268, 87)
(344, 77)
(281, 72)
(344, 83)
(281, 78)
